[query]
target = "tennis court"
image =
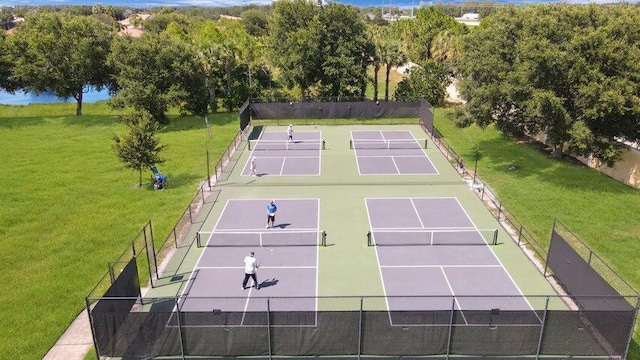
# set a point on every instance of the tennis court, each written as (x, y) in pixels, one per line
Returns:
(287, 255)
(431, 247)
(414, 263)
(390, 152)
(277, 156)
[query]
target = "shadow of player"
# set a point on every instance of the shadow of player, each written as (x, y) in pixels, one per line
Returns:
(267, 283)
(282, 226)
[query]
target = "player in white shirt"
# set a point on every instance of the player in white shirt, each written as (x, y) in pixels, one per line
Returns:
(290, 132)
(254, 170)
(250, 267)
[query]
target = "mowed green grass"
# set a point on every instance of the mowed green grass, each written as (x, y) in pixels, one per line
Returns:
(68, 208)
(603, 212)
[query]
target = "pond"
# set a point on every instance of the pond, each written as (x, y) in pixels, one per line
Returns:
(22, 98)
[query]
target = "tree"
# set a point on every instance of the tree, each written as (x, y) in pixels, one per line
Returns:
(294, 42)
(391, 55)
(570, 72)
(64, 55)
(156, 72)
(6, 66)
(255, 22)
(427, 82)
(140, 148)
(345, 51)
(419, 34)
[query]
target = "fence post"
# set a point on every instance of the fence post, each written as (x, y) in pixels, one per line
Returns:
(190, 215)
(631, 331)
(520, 234)
(175, 237)
(544, 320)
(453, 308)
(208, 171)
(499, 210)
(590, 255)
(93, 334)
(177, 300)
(482, 195)
(202, 192)
(360, 330)
(112, 276)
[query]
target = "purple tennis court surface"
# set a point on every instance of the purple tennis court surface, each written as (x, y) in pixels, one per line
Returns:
(390, 152)
(276, 156)
(435, 269)
(287, 269)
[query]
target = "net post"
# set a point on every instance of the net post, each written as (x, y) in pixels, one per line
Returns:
(248, 144)
(495, 237)
(425, 143)
(323, 241)
(177, 300)
(350, 144)
(453, 308)
(198, 243)
(544, 320)
(323, 145)
(369, 241)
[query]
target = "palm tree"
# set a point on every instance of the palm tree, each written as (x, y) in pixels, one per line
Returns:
(392, 55)
(444, 46)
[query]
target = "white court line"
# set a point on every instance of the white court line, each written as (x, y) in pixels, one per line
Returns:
(261, 267)
(413, 229)
(418, 216)
(392, 174)
(246, 304)
(284, 159)
(317, 263)
(261, 230)
(454, 295)
(276, 199)
(285, 156)
(395, 165)
(501, 264)
(440, 266)
(247, 326)
(392, 156)
(384, 288)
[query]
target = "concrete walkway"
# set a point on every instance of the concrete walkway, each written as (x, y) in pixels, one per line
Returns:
(75, 343)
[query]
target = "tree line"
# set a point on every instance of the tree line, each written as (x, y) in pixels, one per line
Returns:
(296, 48)
(568, 71)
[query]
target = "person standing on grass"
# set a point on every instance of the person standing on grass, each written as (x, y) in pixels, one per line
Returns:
(271, 213)
(290, 132)
(253, 166)
(250, 267)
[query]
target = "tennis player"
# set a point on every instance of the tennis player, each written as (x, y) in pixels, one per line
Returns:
(250, 267)
(290, 132)
(253, 166)
(271, 213)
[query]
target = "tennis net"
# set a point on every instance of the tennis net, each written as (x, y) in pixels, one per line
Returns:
(258, 239)
(388, 144)
(266, 145)
(432, 237)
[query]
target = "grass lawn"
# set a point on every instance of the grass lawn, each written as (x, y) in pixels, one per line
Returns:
(603, 212)
(68, 207)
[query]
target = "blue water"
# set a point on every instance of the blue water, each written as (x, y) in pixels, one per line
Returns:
(20, 98)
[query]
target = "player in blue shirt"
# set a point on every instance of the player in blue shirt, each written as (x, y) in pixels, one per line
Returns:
(271, 213)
